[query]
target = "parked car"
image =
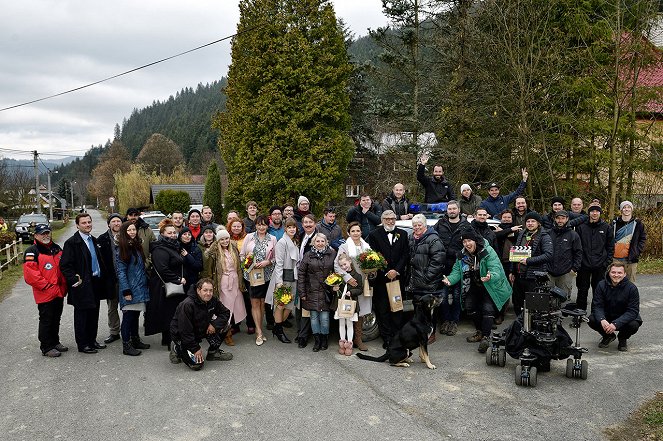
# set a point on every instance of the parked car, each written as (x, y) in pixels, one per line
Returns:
(25, 226)
(152, 218)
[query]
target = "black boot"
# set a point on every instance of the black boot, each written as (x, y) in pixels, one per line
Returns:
(324, 341)
(318, 342)
(280, 334)
(128, 349)
(138, 344)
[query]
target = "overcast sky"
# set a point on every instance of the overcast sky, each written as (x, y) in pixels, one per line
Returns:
(47, 47)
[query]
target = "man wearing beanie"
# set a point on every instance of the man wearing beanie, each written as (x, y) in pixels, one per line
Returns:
(144, 232)
(630, 238)
(495, 203)
(567, 253)
(539, 245)
(598, 247)
(557, 204)
(469, 202)
(107, 246)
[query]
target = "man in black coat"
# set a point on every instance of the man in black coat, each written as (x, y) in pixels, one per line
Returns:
(367, 213)
(567, 253)
(598, 247)
(480, 225)
(393, 244)
(436, 187)
(200, 315)
(107, 243)
(85, 270)
(616, 308)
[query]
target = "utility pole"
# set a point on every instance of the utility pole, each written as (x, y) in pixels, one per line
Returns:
(37, 195)
(50, 195)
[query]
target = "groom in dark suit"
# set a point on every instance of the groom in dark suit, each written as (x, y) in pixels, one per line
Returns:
(393, 244)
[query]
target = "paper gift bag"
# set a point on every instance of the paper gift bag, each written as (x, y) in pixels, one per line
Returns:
(257, 277)
(394, 294)
(346, 307)
(368, 289)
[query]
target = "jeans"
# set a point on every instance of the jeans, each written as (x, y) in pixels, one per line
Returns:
(451, 312)
(320, 322)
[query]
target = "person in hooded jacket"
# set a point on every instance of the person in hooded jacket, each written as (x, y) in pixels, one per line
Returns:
(522, 272)
(616, 308)
(200, 315)
(469, 202)
(485, 287)
(427, 262)
(398, 203)
(168, 266)
(192, 257)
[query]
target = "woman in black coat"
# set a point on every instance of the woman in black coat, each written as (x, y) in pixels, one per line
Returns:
(193, 258)
(167, 266)
(314, 294)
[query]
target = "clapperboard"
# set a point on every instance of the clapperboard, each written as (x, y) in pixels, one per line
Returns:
(516, 254)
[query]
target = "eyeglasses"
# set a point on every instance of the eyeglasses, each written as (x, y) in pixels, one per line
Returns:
(390, 219)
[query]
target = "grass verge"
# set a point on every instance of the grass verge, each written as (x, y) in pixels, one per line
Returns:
(650, 266)
(646, 423)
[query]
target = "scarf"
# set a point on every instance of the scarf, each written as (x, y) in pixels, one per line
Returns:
(319, 254)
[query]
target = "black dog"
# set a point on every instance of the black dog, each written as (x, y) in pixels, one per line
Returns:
(413, 334)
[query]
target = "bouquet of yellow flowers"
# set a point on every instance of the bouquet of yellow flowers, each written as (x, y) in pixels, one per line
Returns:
(248, 262)
(370, 261)
(334, 279)
(283, 295)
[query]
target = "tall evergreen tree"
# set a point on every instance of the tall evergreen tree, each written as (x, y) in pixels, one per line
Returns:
(213, 195)
(285, 130)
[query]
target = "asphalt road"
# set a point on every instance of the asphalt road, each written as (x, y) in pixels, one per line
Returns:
(280, 392)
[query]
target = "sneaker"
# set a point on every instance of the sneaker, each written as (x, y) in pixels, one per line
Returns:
(444, 327)
(476, 337)
(174, 358)
(605, 341)
(60, 347)
(219, 355)
(622, 346)
(453, 328)
(483, 345)
(52, 353)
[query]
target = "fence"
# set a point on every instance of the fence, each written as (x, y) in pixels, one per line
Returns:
(12, 253)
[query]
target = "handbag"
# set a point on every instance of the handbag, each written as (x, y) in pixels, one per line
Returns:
(395, 297)
(346, 306)
(288, 275)
(172, 289)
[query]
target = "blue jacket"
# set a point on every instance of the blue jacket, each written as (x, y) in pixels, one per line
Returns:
(495, 206)
(132, 277)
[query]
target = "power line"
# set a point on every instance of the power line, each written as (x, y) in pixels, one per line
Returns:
(128, 71)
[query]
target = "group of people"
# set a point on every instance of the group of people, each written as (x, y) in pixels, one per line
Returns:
(201, 280)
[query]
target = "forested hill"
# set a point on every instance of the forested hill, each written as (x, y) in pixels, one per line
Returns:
(185, 118)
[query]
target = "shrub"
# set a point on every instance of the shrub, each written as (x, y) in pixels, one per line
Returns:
(173, 200)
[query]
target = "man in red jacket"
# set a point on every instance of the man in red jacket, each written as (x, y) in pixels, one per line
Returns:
(41, 270)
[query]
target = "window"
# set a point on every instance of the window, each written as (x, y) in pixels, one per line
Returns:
(352, 191)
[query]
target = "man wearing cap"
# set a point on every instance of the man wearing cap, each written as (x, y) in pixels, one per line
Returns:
(437, 188)
(495, 203)
(469, 202)
(540, 247)
(41, 271)
(85, 270)
(567, 253)
(398, 203)
(108, 244)
(598, 247)
(630, 238)
(276, 228)
(145, 233)
(392, 242)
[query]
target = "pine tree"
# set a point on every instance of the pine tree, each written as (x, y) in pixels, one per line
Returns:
(285, 130)
(213, 195)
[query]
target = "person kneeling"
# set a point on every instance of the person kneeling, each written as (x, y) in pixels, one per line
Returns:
(199, 315)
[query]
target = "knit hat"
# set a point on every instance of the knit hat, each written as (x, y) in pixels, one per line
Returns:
(469, 234)
(132, 211)
(182, 231)
(114, 215)
(556, 199)
(594, 208)
(621, 206)
(465, 187)
(302, 199)
(209, 227)
(221, 234)
(195, 210)
(533, 215)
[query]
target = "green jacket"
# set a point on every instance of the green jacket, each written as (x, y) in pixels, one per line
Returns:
(498, 286)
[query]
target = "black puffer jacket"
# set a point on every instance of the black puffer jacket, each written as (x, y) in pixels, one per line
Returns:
(542, 253)
(450, 239)
(192, 318)
(311, 275)
(399, 207)
(598, 244)
(617, 304)
(567, 251)
(427, 263)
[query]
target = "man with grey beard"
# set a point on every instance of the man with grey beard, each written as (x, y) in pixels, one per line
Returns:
(393, 244)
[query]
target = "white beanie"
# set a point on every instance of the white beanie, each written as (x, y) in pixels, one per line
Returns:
(465, 187)
(302, 199)
(221, 234)
(621, 206)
